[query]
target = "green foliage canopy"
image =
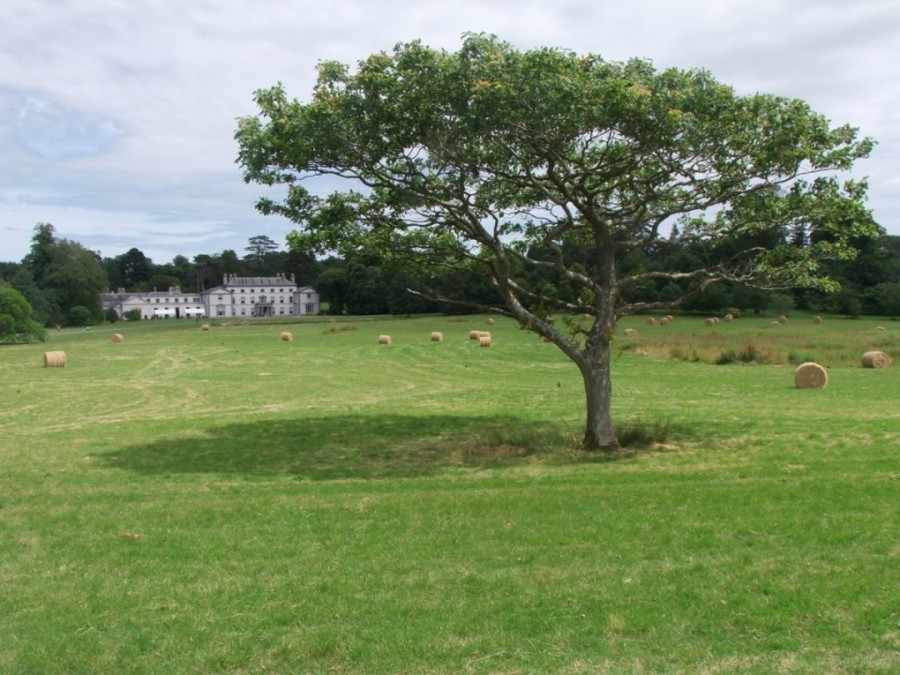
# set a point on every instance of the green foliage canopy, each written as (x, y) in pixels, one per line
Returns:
(16, 324)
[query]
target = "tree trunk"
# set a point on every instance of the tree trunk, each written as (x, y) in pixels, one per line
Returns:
(595, 371)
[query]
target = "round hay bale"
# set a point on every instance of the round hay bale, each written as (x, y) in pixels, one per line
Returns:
(782, 319)
(384, 339)
(651, 321)
(484, 333)
(670, 317)
(711, 322)
(665, 321)
(875, 359)
(630, 332)
(118, 337)
(474, 334)
(775, 324)
(810, 375)
(437, 337)
(287, 336)
(490, 322)
(817, 319)
(484, 341)
(204, 326)
(54, 359)
(728, 318)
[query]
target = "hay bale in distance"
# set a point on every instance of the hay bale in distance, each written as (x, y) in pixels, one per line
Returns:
(817, 319)
(879, 327)
(54, 359)
(118, 337)
(630, 332)
(484, 341)
(287, 336)
(665, 321)
(875, 359)
(474, 334)
(204, 326)
(711, 322)
(651, 321)
(810, 375)
(782, 319)
(490, 322)
(437, 337)
(775, 324)
(728, 318)
(384, 339)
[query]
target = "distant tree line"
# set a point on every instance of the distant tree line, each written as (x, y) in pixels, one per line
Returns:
(62, 281)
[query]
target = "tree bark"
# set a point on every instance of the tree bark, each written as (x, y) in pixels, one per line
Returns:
(595, 371)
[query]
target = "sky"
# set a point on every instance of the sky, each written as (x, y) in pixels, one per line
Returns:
(117, 117)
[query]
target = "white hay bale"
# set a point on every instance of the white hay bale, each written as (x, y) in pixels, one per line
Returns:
(118, 337)
(54, 359)
(287, 336)
(630, 332)
(875, 359)
(384, 339)
(204, 326)
(810, 376)
(484, 341)
(437, 337)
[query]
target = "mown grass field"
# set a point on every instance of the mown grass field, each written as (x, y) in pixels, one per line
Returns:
(222, 501)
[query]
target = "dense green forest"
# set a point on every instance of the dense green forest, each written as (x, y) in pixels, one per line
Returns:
(62, 280)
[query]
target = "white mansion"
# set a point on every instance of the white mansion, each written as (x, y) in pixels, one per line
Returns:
(236, 297)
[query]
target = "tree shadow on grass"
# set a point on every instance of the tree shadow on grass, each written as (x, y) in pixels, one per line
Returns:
(349, 446)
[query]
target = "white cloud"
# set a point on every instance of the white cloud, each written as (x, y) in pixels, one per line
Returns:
(115, 114)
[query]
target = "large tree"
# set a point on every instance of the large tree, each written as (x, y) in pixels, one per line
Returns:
(483, 157)
(67, 274)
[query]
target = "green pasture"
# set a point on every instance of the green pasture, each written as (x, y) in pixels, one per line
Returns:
(194, 501)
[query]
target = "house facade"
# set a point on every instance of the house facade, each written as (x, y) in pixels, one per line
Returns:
(241, 297)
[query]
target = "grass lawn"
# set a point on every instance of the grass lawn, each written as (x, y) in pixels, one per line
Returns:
(196, 501)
